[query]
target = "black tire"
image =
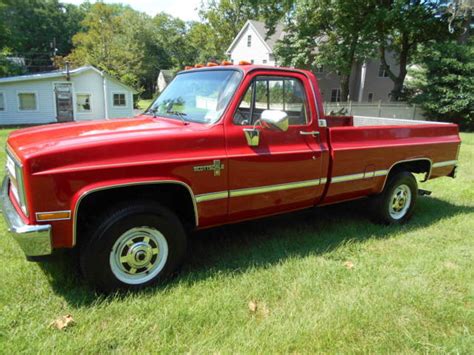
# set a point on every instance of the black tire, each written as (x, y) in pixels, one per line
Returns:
(101, 252)
(382, 204)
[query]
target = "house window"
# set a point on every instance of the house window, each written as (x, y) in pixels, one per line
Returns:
(27, 101)
(119, 100)
(335, 95)
(249, 41)
(370, 98)
(382, 72)
(264, 61)
(2, 101)
(83, 102)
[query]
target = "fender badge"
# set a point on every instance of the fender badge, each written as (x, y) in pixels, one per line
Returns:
(216, 167)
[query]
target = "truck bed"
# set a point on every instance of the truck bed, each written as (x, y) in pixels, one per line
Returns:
(358, 121)
(365, 149)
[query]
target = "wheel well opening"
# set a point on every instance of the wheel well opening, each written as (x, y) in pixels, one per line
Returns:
(416, 166)
(173, 196)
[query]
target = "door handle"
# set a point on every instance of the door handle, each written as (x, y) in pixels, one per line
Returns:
(312, 133)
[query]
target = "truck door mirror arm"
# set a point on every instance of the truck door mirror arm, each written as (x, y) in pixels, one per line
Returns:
(270, 119)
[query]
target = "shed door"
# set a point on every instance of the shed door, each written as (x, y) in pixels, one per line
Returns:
(64, 105)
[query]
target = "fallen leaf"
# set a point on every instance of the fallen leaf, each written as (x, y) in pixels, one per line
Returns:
(450, 265)
(258, 308)
(349, 265)
(62, 322)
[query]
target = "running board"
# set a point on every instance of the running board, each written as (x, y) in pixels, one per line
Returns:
(422, 192)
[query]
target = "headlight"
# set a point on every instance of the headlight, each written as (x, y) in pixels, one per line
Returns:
(17, 185)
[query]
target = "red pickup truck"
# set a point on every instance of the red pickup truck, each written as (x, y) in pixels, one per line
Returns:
(220, 145)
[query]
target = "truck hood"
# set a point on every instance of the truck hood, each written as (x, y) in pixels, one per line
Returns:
(61, 137)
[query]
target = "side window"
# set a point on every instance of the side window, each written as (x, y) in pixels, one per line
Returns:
(273, 93)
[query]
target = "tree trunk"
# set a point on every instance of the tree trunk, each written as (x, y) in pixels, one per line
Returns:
(345, 81)
(398, 80)
(464, 37)
(346, 78)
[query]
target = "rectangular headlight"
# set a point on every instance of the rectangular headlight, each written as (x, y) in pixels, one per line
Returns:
(17, 185)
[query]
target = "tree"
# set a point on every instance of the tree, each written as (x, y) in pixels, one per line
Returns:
(402, 27)
(200, 39)
(36, 30)
(8, 67)
(444, 85)
(111, 42)
(336, 34)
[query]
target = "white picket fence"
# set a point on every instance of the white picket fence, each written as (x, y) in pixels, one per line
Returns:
(376, 109)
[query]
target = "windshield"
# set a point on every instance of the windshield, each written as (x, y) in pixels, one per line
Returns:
(197, 96)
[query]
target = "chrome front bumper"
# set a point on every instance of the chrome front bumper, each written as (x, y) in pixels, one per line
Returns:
(34, 240)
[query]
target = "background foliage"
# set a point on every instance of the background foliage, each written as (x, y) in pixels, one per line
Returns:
(337, 34)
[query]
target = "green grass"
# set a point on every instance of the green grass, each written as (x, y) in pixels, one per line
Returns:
(410, 290)
(144, 104)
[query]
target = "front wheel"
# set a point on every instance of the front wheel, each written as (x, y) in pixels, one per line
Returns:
(396, 203)
(133, 246)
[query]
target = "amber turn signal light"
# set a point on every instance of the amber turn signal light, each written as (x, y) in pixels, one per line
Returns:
(244, 62)
(51, 216)
(226, 62)
(198, 65)
(211, 64)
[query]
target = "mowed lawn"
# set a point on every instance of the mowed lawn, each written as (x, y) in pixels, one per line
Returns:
(324, 280)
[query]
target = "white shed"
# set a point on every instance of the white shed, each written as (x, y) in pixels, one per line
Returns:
(84, 93)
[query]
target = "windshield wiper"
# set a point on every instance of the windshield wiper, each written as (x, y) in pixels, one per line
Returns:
(152, 111)
(181, 115)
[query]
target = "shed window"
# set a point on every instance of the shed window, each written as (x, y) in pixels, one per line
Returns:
(83, 102)
(119, 100)
(249, 41)
(2, 101)
(27, 101)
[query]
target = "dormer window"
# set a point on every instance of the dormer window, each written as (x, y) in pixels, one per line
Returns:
(249, 41)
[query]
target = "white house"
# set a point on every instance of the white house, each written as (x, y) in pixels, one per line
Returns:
(164, 78)
(369, 81)
(251, 44)
(84, 93)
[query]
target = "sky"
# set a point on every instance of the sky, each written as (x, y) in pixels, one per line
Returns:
(186, 10)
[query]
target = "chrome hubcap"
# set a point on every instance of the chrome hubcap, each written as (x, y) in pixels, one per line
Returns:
(138, 255)
(400, 202)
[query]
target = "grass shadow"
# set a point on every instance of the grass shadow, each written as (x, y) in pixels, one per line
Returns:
(260, 244)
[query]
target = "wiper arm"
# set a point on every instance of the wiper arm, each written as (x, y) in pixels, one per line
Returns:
(181, 115)
(152, 111)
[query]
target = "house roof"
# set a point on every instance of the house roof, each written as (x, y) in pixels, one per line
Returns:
(61, 74)
(261, 31)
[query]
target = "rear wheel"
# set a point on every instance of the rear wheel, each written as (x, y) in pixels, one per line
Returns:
(133, 246)
(396, 203)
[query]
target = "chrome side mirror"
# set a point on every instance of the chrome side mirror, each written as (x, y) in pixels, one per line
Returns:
(275, 119)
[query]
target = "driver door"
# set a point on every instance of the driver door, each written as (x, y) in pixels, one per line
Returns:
(283, 172)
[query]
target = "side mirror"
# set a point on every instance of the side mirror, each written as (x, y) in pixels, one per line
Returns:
(275, 119)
